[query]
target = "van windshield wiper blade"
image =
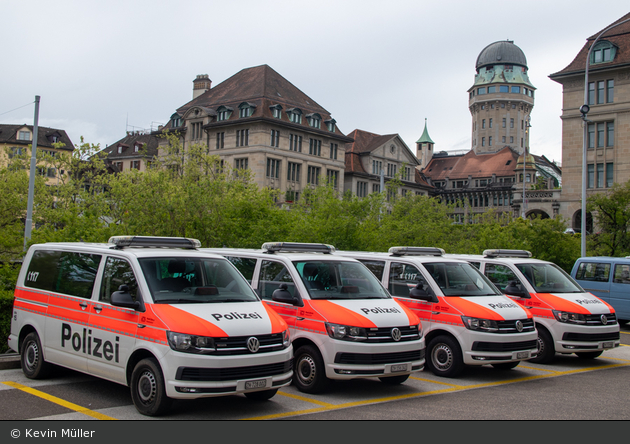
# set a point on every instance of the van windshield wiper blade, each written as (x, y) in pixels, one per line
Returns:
(171, 301)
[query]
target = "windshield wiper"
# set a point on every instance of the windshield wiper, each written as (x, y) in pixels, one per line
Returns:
(171, 301)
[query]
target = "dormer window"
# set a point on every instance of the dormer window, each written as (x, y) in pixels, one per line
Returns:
(295, 115)
(24, 135)
(603, 52)
(120, 149)
(176, 120)
(314, 120)
(223, 113)
(246, 109)
(136, 148)
(276, 111)
(330, 124)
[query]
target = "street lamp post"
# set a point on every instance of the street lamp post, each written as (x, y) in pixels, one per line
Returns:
(527, 126)
(584, 109)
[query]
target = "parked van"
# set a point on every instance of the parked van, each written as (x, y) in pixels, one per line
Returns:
(466, 320)
(152, 313)
(608, 278)
(568, 318)
(343, 323)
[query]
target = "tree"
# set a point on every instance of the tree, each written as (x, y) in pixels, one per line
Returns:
(611, 211)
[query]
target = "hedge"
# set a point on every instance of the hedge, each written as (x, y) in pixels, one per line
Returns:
(6, 310)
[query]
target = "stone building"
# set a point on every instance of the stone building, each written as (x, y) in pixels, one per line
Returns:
(135, 151)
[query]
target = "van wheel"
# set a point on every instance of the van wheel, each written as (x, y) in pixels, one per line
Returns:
(445, 357)
(262, 395)
(506, 365)
(589, 355)
(546, 349)
(393, 380)
(32, 358)
(147, 388)
(309, 373)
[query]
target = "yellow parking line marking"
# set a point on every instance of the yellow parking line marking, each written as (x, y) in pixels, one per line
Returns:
(302, 398)
(616, 359)
(536, 368)
(59, 401)
(434, 392)
(625, 332)
(434, 382)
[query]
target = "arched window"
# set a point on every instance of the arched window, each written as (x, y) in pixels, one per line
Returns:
(603, 52)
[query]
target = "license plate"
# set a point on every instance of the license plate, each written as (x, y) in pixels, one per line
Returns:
(608, 344)
(522, 355)
(399, 368)
(258, 383)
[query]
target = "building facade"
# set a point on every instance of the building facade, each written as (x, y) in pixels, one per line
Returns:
(608, 120)
(135, 151)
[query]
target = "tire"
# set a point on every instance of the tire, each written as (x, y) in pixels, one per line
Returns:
(589, 355)
(32, 358)
(506, 365)
(262, 395)
(444, 357)
(393, 380)
(147, 388)
(546, 349)
(309, 373)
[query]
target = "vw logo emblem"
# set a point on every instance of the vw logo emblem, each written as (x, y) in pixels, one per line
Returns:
(396, 334)
(604, 319)
(253, 345)
(519, 326)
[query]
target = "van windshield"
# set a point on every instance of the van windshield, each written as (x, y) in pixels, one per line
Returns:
(339, 280)
(186, 280)
(549, 278)
(460, 279)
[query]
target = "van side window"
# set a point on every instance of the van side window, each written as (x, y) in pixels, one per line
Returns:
(622, 274)
(245, 265)
(402, 278)
(376, 267)
(272, 274)
(501, 276)
(594, 271)
(63, 272)
(117, 272)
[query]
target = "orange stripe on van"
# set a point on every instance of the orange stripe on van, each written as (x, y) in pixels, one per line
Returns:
(558, 303)
(413, 318)
(340, 315)
(180, 321)
(469, 308)
(277, 323)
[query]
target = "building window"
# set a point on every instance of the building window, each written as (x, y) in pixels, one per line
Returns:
(504, 88)
(610, 134)
(295, 143)
(195, 130)
(120, 149)
(391, 170)
(51, 172)
(483, 141)
(603, 52)
(602, 134)
(293, 173)
(490, 141)
(330, 124)
(600, 175)
(610, 91)
(24, 135)
(490, 123)
(315, 147)
(220, 140)
(492, 89)
(515, 89)
(361, 189)
(481, 91)
(590, 176)
(377, 166)
(376, 188)
(483, 123)
(333, 151)
(275, 138)
(135, 164)
(223, 113)
(119, 165)
(273, 168)
(504, 123)
(511, 139)
(609, 175)
(313, 175)
(407, 176)
(241, 164)
(242, 137)
(502, 139)
(332, 178)
(295, 115)
(246, 109)
(314, 120)
(602, 91)
(276, 111)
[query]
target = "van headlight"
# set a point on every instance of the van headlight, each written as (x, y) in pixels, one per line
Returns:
(286, 339)
(477, 324)
(190, 343)
(569, 318)
(346, 332)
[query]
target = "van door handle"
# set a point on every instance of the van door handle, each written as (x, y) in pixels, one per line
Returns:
(435, 312)
(83, 305)
(141, 325)
(300, 319)
(98, 308)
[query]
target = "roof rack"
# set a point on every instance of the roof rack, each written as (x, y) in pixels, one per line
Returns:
(119, 242)
(296, 247)
(507, 253)
(416, 251)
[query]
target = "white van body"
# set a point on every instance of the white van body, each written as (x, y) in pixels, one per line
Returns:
(343, 323)
(466, 320)
(166, 319)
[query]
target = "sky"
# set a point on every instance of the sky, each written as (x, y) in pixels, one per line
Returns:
(104, 68)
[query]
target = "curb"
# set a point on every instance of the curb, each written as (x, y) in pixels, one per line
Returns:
(9, 361)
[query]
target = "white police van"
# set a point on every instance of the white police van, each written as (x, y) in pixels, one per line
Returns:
(344, 324)
(152, 313)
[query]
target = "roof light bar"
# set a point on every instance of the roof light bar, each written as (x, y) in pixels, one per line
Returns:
(416, 251)
(154, 242)
(507, 253)
(296, 247)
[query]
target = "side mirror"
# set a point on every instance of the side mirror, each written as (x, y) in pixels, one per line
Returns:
(122, 298)
(419, 292)
(282, 294)
(513, 289)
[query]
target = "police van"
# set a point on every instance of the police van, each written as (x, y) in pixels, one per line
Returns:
(568, 318)
(466, 320)
(608, 278)
(152, 313)
(343, 323)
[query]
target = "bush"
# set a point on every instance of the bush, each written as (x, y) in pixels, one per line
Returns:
(6, 310)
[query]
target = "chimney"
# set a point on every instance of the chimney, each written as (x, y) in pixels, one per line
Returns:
(201, 84)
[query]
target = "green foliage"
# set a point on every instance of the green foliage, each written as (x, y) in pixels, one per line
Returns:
(6, 310)
(611, 212)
